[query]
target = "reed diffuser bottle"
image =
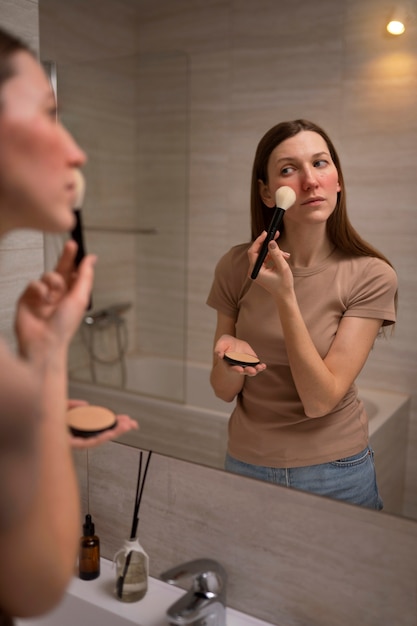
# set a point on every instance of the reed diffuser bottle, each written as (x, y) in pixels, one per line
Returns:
(132, 569)
(132, 562)
(89, 555)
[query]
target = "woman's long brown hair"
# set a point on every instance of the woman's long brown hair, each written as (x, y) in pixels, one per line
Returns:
(9, 46)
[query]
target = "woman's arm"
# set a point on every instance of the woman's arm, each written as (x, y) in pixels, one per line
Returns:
(321, 383)
(38, 551)
(228, 380)
(19, 420)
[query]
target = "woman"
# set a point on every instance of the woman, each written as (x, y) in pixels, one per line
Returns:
(311, 316)
(39, 502)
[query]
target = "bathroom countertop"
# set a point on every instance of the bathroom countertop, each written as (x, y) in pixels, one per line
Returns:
(160, 596)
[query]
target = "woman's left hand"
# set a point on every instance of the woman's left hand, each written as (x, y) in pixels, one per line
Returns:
(124, 424)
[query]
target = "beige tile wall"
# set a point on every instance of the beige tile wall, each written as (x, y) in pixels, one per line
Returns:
(21, 254)
(292, 559)
(129, 112)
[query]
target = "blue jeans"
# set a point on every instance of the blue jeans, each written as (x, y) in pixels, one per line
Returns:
(351, 479)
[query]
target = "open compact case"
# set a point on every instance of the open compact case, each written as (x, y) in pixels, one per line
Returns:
(240, 358)
(89, 420)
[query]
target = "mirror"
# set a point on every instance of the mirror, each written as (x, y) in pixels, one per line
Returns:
(130, 115)
(193, 95)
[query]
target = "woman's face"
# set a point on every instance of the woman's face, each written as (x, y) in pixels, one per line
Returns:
(37, 155)
(303, 162)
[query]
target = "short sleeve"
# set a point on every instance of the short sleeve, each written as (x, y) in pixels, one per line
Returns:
(230, 277)
(373, 293)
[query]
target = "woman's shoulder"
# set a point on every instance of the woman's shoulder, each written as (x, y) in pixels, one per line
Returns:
(355, 263)
(237, 253)
(230, 280)
(235, 259)
(366, 274)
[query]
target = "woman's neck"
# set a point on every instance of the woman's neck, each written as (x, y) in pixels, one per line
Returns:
(308, 246)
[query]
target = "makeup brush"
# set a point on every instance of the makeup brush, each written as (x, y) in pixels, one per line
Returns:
(77, 231)
(284, 198)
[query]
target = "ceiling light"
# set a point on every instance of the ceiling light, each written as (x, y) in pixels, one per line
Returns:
(396, 25)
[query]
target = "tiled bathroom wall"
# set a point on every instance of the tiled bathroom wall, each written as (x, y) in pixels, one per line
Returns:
(129, 112)
(21, 254)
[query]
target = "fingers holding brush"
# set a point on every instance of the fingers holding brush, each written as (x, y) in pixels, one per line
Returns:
(274, 274)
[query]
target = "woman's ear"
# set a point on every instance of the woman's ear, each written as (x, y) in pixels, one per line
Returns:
(265, 194)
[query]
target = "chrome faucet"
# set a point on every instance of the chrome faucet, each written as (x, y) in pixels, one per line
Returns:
(205, 603)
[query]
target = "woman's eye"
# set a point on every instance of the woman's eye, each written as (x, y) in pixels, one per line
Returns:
(320, 163)
(287, 170)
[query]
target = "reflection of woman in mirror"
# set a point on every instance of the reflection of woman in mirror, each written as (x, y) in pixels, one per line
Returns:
(312, 315)
(39, 501)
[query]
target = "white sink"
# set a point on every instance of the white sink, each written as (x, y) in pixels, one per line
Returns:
(95, 602)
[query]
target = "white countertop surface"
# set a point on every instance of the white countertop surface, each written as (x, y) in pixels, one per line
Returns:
(95, 602)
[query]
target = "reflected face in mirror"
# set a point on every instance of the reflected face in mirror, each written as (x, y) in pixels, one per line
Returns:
(303, 162)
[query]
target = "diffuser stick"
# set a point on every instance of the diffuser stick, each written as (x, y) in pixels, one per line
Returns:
(139, 491)
(88, 482)
(132, 531)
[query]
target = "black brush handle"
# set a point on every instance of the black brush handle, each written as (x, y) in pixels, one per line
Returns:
(272, 231)
(77, 234)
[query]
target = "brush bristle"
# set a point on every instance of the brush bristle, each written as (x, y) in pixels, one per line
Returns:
(79, 189)
(284, 197)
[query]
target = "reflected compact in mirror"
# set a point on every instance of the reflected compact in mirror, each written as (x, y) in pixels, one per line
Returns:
(89, 421)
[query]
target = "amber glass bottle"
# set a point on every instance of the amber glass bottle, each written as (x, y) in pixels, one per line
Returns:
(89, 556)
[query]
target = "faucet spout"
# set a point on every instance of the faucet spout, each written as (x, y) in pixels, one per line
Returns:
(205, 602)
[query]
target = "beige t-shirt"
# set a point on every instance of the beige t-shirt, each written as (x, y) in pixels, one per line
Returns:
(268, 425)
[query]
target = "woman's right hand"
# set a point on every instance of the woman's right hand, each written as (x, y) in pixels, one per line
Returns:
(51, 308)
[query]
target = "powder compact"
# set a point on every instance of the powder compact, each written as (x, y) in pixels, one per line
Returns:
(89, 421)
(240, 358)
